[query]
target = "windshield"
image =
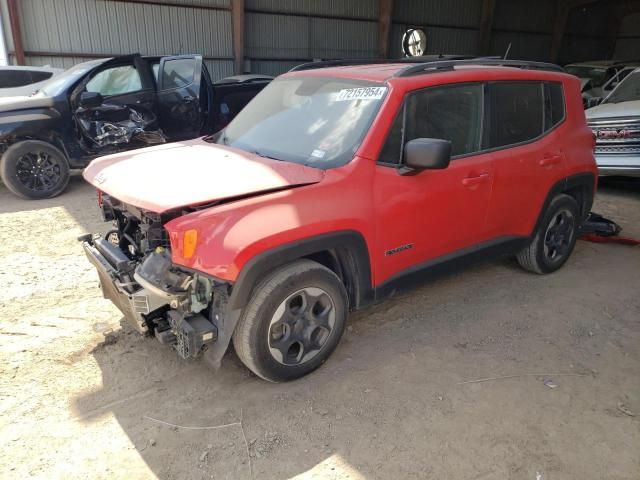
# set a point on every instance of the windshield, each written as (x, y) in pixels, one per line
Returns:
(318, 122)
(597, 75)
(627, 91)
(60, 83)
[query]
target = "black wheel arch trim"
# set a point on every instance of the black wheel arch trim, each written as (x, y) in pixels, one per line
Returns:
(347, 246)
(585, 181)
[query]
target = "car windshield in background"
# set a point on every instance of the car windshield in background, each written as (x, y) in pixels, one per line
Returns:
(60, 83)
(627, 91)
(318, 122)
(597, 75)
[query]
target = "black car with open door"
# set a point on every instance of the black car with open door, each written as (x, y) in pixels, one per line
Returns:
(106, 106)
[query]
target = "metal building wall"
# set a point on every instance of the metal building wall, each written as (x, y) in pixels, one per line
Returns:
(451, 26)
(280, 34)
(73, 31)
(628, 42)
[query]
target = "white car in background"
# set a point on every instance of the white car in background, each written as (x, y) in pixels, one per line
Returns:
(17, 81)
(616, 126)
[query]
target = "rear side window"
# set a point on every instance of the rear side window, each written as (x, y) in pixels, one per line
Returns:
(177, 73)
(553, 105)
(516, 113)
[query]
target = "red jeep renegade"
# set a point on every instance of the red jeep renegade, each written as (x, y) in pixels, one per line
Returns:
(335, 187)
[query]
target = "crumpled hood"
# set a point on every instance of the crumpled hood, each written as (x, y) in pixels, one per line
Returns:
(193, 172)
(614, 110)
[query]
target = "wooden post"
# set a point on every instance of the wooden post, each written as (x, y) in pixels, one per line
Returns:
(237, 20)
(14, 20)
(486, 24)
(385, 8)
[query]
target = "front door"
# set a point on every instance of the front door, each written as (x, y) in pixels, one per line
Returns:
(181, 114)
(434, 213)
(123, 103)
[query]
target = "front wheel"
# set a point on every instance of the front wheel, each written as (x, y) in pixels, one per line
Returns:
(293, 322)
(555, 237)
(34, 170)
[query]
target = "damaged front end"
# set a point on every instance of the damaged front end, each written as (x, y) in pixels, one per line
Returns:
(179, 307)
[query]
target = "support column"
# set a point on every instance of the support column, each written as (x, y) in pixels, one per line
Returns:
(486, 24)
(385, 8)
(237, 20)
(16, 33)
(559, 27)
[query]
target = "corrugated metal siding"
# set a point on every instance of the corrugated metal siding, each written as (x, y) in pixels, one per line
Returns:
(589, 20)
(272, 67)
(580, 49)
(335, 8)
(282, 37)
(439, 40)
(523, 15)
(6, 25)
(627, 49)
(630, 26)
(524, 46)
(459, 13)
(120, 28)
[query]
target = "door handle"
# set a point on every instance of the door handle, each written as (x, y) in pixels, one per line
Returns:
(550, 159)
(471, 181)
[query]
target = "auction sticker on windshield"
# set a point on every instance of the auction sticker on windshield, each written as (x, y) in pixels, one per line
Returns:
(366, 93)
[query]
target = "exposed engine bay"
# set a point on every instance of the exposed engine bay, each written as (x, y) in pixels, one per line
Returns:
(180, 308)
(108, 125)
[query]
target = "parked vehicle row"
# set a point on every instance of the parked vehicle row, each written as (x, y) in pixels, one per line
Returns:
(110, 105)
(334, 188)
(616, 126)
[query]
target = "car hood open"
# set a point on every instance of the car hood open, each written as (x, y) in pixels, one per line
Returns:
(190, 173)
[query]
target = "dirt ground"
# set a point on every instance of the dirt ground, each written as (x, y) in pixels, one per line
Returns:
(83, 396)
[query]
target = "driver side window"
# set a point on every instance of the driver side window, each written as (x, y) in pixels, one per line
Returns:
(115, 81)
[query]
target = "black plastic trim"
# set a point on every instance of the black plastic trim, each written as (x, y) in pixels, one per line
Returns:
(449, 263)
(351, 251)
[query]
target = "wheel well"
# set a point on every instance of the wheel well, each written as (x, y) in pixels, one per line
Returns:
(583, 195)
(342, 266)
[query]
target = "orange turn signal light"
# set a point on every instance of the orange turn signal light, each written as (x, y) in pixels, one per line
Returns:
(189, 242)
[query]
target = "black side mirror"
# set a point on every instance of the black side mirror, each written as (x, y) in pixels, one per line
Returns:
(90, 99)
(425, 154)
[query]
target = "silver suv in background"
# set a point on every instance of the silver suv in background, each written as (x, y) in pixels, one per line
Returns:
(18, 81)
(616, 126)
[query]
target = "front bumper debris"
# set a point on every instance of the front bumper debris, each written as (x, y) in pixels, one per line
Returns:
(164, 311)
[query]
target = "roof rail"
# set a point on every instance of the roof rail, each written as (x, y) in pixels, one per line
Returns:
(376, 61)
(439, 65)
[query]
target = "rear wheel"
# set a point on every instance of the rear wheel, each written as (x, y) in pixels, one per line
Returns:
(555, 238)
(34, 170)
(293, 322)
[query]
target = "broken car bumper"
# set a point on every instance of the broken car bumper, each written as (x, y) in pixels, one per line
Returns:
(149, 308)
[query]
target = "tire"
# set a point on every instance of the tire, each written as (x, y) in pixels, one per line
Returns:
(555, 237)
(34, 170)
(293, 321)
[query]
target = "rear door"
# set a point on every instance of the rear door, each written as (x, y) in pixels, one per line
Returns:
(434, 213)
(179, 106)
(528, 151)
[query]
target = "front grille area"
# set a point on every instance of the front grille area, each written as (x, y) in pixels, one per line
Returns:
(617, 136)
